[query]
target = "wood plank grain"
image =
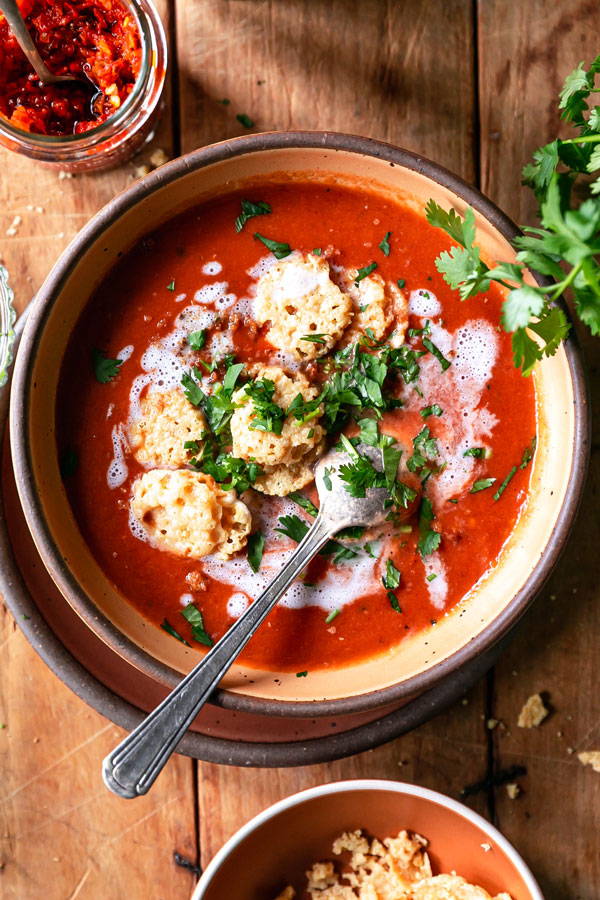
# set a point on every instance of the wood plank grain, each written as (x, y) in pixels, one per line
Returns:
(443, 755)
(365, 66)
(368, 67)
(62, 835)
(525, 52)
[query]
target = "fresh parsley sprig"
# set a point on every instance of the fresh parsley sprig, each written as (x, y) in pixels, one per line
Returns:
(566, 248)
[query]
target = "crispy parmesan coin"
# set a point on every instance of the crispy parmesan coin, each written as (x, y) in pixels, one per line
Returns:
(378, 306)
(298, 300)
(167, 421)
(285, 458)
(186, 513)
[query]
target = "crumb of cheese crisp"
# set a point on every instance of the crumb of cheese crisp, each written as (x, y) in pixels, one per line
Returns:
(393, 869)
(513, 790)
(590, 758)
(533, 713)
(167, 421)
(298, 300)
(186, 513)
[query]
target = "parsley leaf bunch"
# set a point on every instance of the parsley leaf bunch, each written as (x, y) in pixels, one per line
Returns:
(565, 249)
(268, 416)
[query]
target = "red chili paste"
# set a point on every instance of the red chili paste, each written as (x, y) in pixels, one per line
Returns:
(95, 39)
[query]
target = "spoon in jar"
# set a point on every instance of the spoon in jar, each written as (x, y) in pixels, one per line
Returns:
(131, 769)
(17, 25)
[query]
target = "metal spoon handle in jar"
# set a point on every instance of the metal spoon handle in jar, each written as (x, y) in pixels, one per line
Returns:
(18, 27)
(131, 769)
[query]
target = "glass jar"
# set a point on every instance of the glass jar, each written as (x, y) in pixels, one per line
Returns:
(124, 132)
(7, 321)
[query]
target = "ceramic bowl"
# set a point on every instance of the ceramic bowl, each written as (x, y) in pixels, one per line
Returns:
(276, 847)
(419, 662)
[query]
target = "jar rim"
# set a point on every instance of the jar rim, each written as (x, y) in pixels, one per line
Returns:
(150, 30)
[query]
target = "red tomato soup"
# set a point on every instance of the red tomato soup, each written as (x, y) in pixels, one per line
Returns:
(157, 420)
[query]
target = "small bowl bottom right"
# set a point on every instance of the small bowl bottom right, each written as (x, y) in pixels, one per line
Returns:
(276, 848)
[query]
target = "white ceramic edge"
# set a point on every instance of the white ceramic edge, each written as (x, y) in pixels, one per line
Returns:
(367, 784)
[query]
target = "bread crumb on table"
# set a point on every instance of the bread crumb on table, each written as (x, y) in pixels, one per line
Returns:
(533, 713)
(513, 790)
(590, 758)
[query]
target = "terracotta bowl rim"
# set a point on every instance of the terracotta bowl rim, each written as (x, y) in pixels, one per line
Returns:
(19, 419)
(368, 784)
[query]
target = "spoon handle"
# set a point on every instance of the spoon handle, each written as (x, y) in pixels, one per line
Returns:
(17, 25)
(131, 769)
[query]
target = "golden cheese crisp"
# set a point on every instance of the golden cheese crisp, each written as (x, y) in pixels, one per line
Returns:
(397, 868)
(299, 300)
(533, 713)
(286, 459)
(167, 421)
(188, 514)
(378, 305)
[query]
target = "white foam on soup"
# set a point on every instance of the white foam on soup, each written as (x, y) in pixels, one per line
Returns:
(237, 605)
(137, 529)
(424, 303)
(263, 265)
(186, 599)
(461, 392)
(125, 353)
(436, 580)
(212, 268)
(208, 293)
(117, 471)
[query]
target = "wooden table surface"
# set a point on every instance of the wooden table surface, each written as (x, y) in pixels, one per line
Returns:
(472, 85)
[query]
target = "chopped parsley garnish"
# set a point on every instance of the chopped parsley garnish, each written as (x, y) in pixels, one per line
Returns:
(384, 246)
(105, 369)
(197, 339)
(401, 283)
(267, 415)
(425, 449)
(392, 577)
(166, 626)
(302, 674)
(429, 539)
(192, 446)
(245, 120)
(444, 363)
(279, 249)
(481, 485)
(315, 338)
(171, 285)
(295, 528)
(249, 210)
(256, 547)
(231, 472)
(69, 462)
(327, 478)
(218, 407)
(332, 615)
(477, 452)
(302, 501)
(505, 483)
(394, 603)
(317, 251)
(431, 577)
(364, 272)
(225, 101)
(528, 453)
(193, 615)
(433, 410)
